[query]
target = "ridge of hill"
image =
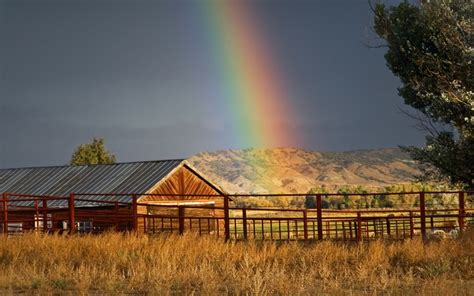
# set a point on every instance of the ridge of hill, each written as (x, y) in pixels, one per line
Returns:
(292, 170)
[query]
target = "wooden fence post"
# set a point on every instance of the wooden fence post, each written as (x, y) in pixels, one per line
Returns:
(423, 215)
(244, 221)
(359, 226)
(462, 211)
(319, 216)
(226, 218)
(5, 212)
(305, 224)
(134, 213)
(181, 219)
(72, 214)
(412, 226)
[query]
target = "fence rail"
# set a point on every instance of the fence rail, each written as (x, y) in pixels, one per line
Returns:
(96, 212)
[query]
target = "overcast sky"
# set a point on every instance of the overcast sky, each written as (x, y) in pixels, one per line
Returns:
(137, 74)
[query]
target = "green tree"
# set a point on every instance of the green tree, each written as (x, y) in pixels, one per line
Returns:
(92, 153)
(430, 48)
(310, 199)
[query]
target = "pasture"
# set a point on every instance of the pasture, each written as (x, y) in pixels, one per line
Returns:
(112, 263)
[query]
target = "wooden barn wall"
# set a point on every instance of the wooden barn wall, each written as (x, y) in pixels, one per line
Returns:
(182, 181)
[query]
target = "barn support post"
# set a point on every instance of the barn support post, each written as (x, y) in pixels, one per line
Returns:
(423, 215)
(5, 212)
(244, 222)
(116, 214)
(319, 216)
(181, 219)
(72, 214)
(462, 211)
(134, 213)
(305, 224)
(226, 218)
(45, 214)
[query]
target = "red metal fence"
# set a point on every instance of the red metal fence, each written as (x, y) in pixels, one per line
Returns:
(94, 213)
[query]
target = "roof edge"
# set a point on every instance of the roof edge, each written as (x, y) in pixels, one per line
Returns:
(91, 165)
(206, 178)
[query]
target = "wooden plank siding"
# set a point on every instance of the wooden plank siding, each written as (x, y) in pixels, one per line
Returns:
(183, 181)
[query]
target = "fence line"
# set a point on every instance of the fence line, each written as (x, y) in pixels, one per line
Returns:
(96, 212)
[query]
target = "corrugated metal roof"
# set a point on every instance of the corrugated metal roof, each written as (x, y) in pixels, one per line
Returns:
(127, 177)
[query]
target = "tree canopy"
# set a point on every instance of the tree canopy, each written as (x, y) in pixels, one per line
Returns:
(430, 48)
(92, 153)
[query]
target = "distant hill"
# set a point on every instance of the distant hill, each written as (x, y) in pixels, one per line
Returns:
(290, 170)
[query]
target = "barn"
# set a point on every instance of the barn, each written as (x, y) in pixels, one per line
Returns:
(98, 197)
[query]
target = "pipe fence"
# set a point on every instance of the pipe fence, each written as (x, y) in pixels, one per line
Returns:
(80, 213)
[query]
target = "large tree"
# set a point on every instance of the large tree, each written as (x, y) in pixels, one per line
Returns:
(92, 153)
(430, 48)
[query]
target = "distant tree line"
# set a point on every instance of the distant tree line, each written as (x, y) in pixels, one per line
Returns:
(346, 201)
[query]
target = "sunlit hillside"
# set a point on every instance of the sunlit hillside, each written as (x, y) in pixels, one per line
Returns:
(292, 170)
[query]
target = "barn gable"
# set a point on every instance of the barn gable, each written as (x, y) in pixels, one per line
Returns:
(183, 180)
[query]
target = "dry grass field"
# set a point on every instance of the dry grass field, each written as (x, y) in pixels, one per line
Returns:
(174, 265)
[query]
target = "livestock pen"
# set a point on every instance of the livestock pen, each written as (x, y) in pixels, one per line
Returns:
(99, 212)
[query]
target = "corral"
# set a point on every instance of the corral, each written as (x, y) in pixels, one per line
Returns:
(172, 197)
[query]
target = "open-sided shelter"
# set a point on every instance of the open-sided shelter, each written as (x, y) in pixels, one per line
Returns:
(99, 189)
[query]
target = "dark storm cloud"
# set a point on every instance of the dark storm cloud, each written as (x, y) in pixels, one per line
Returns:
(140, 74)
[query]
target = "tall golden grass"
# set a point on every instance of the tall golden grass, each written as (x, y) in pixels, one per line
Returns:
(117, 263)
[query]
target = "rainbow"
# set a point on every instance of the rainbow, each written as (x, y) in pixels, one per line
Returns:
(253, 89)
